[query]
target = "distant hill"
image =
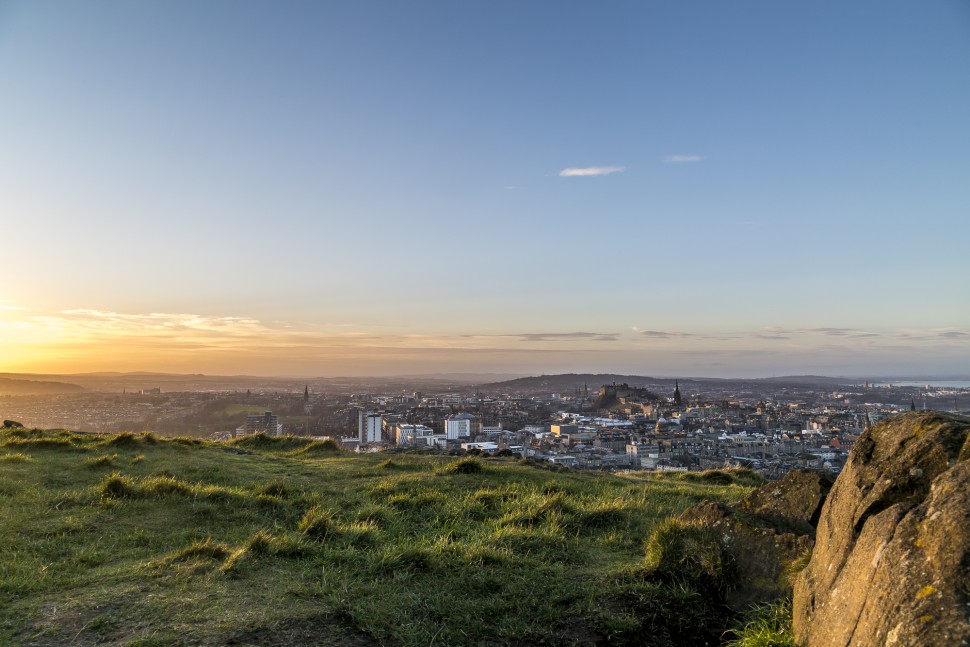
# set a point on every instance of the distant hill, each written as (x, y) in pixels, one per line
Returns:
(10, 386)
(807, 379)
(571, 381)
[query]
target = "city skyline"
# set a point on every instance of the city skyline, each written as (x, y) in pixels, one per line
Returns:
(313, 189)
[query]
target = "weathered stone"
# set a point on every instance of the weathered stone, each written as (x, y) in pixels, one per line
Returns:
(891, 564)
(9, 424)
(794, 502)
(770, 530)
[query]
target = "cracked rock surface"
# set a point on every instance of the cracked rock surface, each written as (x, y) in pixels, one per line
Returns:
(891, 563)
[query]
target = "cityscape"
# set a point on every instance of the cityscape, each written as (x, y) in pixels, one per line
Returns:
(575, 421)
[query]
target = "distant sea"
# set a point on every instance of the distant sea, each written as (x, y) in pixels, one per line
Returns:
(948, 384)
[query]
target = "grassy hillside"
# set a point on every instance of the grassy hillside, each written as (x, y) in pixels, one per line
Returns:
(147, 541)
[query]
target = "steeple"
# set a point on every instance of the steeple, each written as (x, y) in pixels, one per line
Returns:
(677, 399)
(912, 404)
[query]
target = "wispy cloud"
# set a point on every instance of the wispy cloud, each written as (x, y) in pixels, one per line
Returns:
(662, 334)
(553, 336)
(589, 171)
(777, 332)
(593, 336)
(679, 159)
(933, 334)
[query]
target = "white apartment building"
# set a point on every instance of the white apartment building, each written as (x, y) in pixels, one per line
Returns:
(461, 425)
(369, 426)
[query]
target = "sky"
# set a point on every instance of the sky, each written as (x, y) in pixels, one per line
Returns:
(747, 189)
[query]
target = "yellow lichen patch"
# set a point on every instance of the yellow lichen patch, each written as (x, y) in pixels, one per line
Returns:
(926, 590)
(926, 619)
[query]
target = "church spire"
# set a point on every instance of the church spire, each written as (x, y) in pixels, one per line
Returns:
(677, 399)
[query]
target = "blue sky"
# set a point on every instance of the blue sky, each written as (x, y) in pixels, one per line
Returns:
(378, 187)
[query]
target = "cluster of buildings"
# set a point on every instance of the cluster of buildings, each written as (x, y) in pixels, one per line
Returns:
(623, 427)
(771, 426)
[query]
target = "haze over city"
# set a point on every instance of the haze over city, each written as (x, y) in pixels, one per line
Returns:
(320, 189)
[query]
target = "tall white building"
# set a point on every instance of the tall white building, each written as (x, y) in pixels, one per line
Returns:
(461, 425)
(369, 426)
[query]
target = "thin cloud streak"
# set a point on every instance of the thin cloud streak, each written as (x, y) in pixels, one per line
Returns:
(590, 171)
(680, 159)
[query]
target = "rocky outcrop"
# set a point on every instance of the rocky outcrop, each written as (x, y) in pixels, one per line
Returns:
(891, 564)
(769, 531)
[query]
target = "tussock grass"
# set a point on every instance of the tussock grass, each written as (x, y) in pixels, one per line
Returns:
(680, 553)
(767, 625)
(317, 524)
(104, 460)
(318, 448)
(118, 486)
(125, 439)
(16, 457)
(463, 466)
(204, 549)
(735, 476)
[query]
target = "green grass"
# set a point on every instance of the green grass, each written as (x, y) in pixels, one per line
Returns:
(134, 539)
(768, 625)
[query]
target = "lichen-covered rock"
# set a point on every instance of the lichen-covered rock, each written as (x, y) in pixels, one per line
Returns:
(891, 564)
(795, 501)
(771, 529)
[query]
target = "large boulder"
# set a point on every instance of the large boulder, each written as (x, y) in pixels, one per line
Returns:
(891, 564)
(768, 532)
